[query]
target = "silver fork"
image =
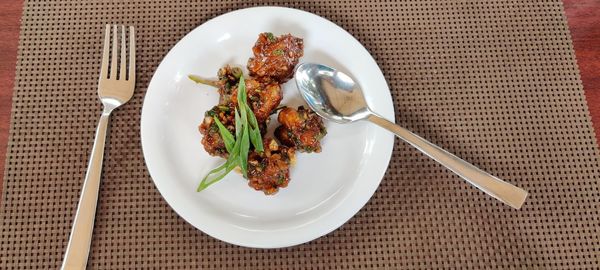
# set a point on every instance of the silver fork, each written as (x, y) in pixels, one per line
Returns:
(114, 91)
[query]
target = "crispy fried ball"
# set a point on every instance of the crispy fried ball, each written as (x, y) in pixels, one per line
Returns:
(275, 57)
(270, 170)
(302, 129)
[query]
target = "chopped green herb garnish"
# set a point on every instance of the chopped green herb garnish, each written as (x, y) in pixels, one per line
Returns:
(278, 52)
(270, 37)
(211, 113)
(281, 179)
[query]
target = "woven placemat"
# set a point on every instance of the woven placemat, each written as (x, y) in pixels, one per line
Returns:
(495, 82)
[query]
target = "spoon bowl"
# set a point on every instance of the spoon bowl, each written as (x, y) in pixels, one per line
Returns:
(333, 95)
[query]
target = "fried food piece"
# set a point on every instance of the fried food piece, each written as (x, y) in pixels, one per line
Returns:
(270, 170)
(302, 129)
(212, 141)
(263, 98)
(275, 57)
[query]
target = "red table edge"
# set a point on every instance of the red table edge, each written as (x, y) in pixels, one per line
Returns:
(581, 16)
(10, 12)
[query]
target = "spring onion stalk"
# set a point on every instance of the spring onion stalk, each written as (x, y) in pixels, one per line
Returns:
(200, 80)
(247, 132)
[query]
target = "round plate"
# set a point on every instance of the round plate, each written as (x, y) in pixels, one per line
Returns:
(326, 189)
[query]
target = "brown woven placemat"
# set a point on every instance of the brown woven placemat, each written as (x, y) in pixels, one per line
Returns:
(495, 82)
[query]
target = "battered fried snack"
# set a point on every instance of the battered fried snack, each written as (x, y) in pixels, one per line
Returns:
(275, 57)
(300, 128)
(270, 170)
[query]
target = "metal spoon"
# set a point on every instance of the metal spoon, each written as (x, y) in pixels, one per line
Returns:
(335, 96)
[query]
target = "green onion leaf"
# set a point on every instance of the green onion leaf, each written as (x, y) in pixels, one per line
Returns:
(241, 95)
(255, 136)
(243, 115)
(251, 118)
(226, 135)
(238, 125)
(207, 181)
(244, 149)
(256, 140)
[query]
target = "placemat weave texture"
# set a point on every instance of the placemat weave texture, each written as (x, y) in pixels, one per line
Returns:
(495, 82)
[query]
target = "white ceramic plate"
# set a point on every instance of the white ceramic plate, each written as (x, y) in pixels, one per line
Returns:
(325, 190)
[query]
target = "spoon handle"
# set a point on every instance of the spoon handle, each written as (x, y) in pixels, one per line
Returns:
(493, 186)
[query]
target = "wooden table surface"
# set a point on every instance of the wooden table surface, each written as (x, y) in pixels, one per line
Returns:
(583, 17)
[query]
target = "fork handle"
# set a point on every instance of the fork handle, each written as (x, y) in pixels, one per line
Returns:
(78, 249)
(493, 186)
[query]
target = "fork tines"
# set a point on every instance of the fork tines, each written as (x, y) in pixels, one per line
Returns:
(125, 72)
